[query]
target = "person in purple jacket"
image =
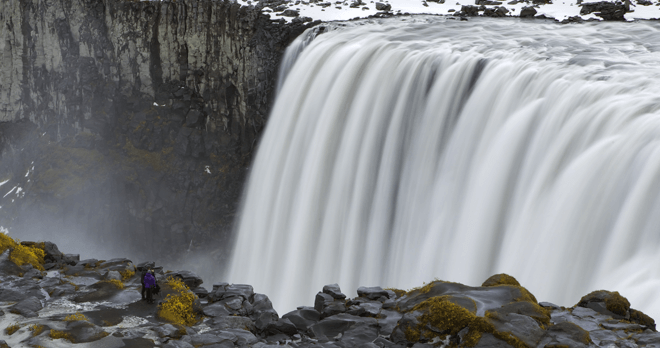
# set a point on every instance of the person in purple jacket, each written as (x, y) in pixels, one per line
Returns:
(150, 284)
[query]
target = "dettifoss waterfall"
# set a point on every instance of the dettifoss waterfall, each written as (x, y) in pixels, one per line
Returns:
(416, 148)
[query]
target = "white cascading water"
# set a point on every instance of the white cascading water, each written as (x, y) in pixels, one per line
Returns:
(419, 148)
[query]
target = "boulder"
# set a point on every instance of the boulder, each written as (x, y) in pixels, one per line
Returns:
(191, 279)
(608, 11)
(112, 275)
(303, 318)
(169, 330)
(607, 302)
(334, 291)
(27, 307)
(380, 6)
(373, 293)
(71, 259)
(222, 291)
(83, 331)
(282, 326)
(527, 12)
(7, 267)
(145, 266)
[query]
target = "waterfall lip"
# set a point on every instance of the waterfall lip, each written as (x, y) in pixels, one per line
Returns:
(396, 153)
(559, 10)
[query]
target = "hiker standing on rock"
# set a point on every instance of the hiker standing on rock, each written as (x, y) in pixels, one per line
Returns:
(150, 284)
(144, 273)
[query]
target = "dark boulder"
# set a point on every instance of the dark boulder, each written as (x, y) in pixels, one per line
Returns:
(528, 12)
(334, 291)
(608, 11)
(303, 318)
(27, 307)
(607, 302)
(191, 279)
(380, 6)
(373, 293)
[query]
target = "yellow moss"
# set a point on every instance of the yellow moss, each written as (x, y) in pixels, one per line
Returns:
(126, 274)
(9, 330)
(36, 329)
(75, 317)
(114, 282)
(23, 254)
(54, 334)
(178, 308)
(398, 292)
(442, 317)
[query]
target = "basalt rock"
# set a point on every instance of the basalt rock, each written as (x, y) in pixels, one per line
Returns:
(500, 313)
(150, 108)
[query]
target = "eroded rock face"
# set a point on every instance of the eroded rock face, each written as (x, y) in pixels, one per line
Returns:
(135, 120)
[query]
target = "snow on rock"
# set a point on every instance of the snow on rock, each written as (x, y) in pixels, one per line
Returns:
(560, 10)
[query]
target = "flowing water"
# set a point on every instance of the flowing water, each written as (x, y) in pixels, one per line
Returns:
(410, 149)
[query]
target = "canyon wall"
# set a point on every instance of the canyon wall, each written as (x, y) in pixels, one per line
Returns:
(131, 125)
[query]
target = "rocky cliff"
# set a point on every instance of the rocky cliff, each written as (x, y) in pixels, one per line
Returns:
(131, 124)
(58, 299)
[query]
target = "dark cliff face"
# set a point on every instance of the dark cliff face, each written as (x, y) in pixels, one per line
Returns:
(130, 125)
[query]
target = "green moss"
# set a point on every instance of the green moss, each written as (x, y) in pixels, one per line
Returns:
(617, 304)
(501, 279)
(64, 171)
(159, 161)
(441, 317)
(641, 319)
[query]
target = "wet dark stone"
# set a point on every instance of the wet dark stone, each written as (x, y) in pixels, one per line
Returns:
(27, 307)
(334, 291)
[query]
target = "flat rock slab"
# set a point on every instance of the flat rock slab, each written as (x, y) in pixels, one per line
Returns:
(103, 291)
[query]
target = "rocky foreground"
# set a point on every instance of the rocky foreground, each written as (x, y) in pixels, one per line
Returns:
(55, 299)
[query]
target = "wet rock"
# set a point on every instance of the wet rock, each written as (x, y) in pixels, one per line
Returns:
(264, 319)
(520, 326)
(232, 322)
(303, 318)
(83, 331)
(112, 275)
(145, 266)
(487, 340)
(179, 344)
(527, 12)
(568, 334)
(169, 330)
(468, 10)
(608, 11)
(380, 6)
(372, 293)
(331, 327)
(222, 291)
(334, 291)
(607, 302)
(100, 291)
(642, 319)
(27, 307)
(290, 13)
(71, 259)
(282, 326)
(191, 279)
(200, 292)
(7, 267)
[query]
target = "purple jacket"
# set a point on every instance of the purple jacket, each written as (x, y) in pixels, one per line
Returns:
(149, 281)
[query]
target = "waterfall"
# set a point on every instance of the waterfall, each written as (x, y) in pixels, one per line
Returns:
(405, 150)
